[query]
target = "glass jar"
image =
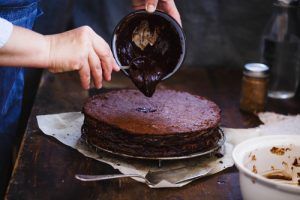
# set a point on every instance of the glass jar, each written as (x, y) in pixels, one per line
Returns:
(254, 87)
(280, 49)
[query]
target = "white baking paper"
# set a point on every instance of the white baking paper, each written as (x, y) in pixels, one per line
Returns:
(66, 127)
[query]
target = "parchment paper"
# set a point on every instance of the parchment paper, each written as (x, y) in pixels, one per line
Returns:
(66, 128)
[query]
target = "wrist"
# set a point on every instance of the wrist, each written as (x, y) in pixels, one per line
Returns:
(26, 48)
(34, 52)
(47, 51)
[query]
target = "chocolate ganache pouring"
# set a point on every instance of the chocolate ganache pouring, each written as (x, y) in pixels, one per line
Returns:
(152, 45)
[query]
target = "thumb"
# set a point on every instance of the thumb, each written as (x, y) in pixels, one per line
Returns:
(151, 5)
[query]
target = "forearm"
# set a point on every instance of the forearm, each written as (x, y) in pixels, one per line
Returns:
(79, 49)
(25, 48)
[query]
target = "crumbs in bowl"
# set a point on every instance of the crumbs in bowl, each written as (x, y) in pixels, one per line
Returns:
(279, 151)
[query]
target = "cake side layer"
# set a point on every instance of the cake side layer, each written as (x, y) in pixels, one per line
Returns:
(116, 140)
(167, 112)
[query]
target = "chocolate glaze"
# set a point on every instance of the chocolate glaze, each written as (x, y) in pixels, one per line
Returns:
(145, 74)
(150, 65)
(145, 110)
(176, 112)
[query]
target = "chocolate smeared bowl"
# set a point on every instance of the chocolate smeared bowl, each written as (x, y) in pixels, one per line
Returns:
(153, 45)
(268, 166)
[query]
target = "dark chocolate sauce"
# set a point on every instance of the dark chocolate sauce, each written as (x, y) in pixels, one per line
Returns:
(145, 110)
(151, 63)
(219, 155)
(145, 75)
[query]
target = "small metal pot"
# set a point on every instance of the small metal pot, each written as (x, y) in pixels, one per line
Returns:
(134, 17)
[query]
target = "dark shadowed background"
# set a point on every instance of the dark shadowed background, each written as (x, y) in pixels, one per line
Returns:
(219, 33)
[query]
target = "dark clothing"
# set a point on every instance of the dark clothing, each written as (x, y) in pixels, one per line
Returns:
(21, 13)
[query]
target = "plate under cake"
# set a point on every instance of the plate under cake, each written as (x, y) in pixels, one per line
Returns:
(171, 123)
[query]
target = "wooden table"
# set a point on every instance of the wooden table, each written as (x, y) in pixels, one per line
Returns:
(45, 168)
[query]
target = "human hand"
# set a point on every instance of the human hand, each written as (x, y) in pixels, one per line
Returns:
(83, 50)
(167, 6)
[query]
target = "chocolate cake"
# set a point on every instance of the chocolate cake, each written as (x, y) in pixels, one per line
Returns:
(171, 123)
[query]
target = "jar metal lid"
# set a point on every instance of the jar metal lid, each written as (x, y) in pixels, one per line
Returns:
(256, 70)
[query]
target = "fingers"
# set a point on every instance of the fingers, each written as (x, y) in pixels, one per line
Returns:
(103, 51)
(95, 68)
(138, 4)
(85, 76)
(105, 57)
(169, 7)
(116, 67)
(101, 63)
(151, 5)
(83, 50)
(106, 66)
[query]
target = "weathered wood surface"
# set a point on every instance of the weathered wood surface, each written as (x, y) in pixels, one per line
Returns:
(45, 168)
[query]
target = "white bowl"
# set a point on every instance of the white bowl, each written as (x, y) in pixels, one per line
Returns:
(253, 158)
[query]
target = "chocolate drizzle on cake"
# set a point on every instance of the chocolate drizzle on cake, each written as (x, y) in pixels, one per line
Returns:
(145, 110)
(151, 46)
(145, 74)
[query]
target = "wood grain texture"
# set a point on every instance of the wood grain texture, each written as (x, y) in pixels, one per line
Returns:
(45, 168)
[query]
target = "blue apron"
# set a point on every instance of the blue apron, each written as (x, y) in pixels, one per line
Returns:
(21, 13)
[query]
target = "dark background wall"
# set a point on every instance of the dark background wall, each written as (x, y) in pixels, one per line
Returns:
(223, 33)
(220, 33)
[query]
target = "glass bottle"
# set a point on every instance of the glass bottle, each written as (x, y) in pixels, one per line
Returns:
(280, 49)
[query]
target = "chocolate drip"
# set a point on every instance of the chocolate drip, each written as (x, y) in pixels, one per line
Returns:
(145, 110)
(145, 74)
(151, 46)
